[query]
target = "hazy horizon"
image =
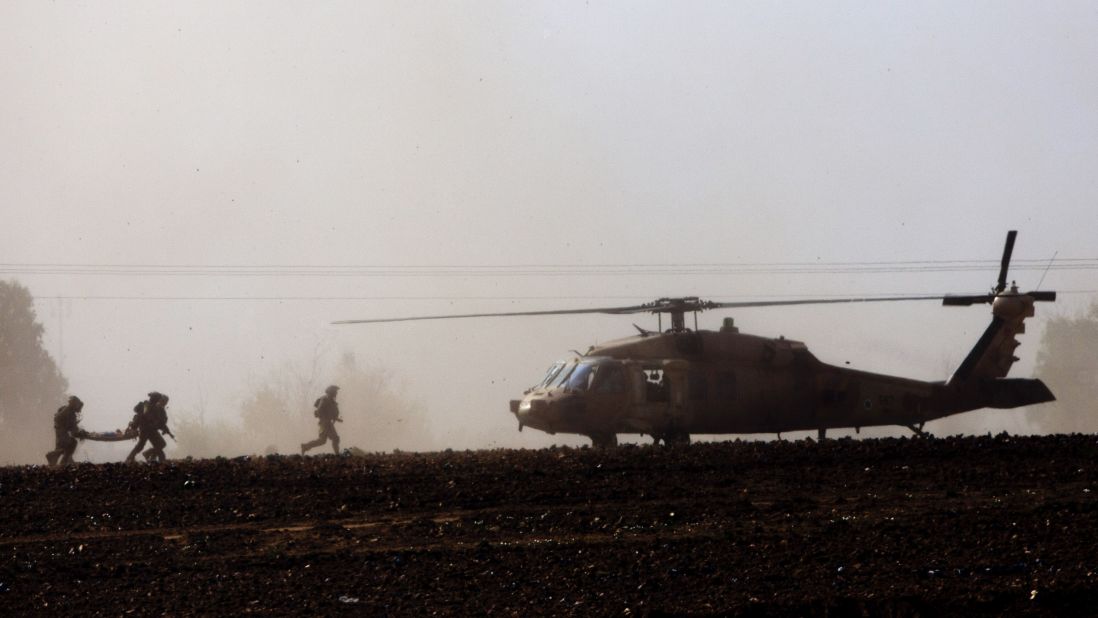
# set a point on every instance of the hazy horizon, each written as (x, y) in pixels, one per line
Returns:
(194, 192)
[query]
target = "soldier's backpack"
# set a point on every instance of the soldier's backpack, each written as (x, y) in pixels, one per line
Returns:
(59, 420)
(159, 417)
(325, 409)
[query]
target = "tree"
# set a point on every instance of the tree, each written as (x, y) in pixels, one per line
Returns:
(31, 385)
(1068, 362)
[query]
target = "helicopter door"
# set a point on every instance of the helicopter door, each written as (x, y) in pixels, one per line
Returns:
(657, 388)
(679, 413)
(648, 398)
(608, 396)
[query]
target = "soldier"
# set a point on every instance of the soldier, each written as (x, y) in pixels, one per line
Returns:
(158, 422)
(327, 412)
(66, 427)
(150, 419)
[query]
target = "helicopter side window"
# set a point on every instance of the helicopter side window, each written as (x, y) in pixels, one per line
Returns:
(581, 377)
(610, 378)
(656, 389)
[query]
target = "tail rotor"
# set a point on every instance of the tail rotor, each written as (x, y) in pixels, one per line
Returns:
(962, 300)
(1008, 249)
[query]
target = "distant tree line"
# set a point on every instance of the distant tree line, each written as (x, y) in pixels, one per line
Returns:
(31, 385)
(1067, 361)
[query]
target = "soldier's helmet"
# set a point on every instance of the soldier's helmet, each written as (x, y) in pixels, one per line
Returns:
(75, 402)
(332, 390)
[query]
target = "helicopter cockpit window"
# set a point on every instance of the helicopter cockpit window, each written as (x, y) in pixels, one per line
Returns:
(552, 373)
(562, 376)
(581, 377)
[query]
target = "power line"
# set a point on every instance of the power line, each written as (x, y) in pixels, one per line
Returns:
(471, 298)
(554, 270)
(537, 265)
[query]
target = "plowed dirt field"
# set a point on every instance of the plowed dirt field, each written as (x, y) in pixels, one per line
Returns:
(977, 526)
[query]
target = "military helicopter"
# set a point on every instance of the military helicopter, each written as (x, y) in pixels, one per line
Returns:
(669, 384)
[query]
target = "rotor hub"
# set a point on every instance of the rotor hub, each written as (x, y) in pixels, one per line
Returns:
(677, 308)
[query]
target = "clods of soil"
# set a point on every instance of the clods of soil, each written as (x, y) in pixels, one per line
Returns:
(903, 527)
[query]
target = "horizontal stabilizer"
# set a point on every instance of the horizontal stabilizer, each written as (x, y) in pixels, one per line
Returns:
(1015, 392)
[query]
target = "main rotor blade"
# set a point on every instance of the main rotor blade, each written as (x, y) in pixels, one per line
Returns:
(817, 301)
(1045, 296)
(696, 305)
(648, 308)
(609, 310)
(1007, 250)
(967, 301)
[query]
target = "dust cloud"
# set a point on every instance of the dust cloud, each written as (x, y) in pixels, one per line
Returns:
(1068, 363)
(194, 196)
(377, 415)
(26, 444)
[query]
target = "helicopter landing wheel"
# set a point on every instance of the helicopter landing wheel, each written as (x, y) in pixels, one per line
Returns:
(604, 440)
(918, 431)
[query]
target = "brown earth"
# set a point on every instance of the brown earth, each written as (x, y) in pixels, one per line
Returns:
(978, 526)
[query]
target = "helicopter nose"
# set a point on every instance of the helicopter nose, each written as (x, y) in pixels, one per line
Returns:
(530, 412)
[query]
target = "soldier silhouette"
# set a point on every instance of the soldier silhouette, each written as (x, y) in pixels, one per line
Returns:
(66, 428)
(150, 420)
(327, 414)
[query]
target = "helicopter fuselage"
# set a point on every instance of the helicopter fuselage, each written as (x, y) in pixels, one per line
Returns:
(671, 385)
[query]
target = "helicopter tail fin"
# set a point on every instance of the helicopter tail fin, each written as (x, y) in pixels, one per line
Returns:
(993, 354)
(980, 381)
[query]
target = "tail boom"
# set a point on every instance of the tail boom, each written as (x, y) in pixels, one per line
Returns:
(1002, 394)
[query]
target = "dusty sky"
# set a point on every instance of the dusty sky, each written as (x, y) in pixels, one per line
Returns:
(226, 147)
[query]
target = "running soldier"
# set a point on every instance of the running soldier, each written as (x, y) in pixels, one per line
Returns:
(66, 428)
(327, 412)
(150, 419)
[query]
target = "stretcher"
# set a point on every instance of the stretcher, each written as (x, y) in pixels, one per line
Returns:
(117, 435)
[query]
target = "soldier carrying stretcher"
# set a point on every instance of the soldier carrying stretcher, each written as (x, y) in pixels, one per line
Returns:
(150, 420)
(67, 431)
